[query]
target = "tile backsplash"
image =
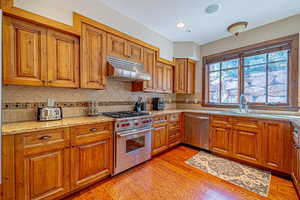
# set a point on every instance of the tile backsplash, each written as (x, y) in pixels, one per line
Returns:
(20, 102)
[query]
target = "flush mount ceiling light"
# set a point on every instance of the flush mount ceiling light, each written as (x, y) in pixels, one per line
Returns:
(212, 8)
(237, 28)
(180, 25)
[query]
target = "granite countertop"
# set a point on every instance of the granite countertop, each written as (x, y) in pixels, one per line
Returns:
(23, 127)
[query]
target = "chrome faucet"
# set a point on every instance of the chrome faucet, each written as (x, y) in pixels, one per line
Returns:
(243, 104)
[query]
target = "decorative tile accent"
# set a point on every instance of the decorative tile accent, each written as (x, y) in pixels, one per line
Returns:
(35, 105)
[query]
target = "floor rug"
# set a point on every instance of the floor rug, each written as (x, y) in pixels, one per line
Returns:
(250, 178)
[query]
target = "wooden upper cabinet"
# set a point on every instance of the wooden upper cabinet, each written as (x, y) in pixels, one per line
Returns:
(276, 140)
(168, 79)
(191, 72)
(122, 48)
(116, 46)
(24, 54)
(184, 76)
(93, 58)
(39, 56)
(63, 59)
(180, 75)
(149, 67)
(159, 77)
(135, 52)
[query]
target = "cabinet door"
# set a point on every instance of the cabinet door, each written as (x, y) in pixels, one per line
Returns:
(149, 67)
(276, 139)
(168, 79)
(93, 58)
(297, 170)
(90, 162)
(159, 73)
(46, 175)
(116, 46)
(247, 145)
(190, 87)
(63, 60)
(159, 139)
(24, 57)
(220, 140)
(180, 75)
(135, 52)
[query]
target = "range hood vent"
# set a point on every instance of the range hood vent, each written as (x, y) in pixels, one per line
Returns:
(124, 70)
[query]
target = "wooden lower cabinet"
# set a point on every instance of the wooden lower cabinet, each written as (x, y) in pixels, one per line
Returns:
(46, 165)
(166, 132)
(91, 154)
(261, 142)
(295, 147)
(159, 139)
(296, 167)
(220, 140)
(42, 165)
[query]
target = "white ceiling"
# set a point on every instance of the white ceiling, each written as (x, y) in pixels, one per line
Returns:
(163, 15)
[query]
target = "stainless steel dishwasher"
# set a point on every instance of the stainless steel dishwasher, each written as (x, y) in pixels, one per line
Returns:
(196, 126)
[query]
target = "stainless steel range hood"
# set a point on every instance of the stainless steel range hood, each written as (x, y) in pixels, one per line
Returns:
(125, 70)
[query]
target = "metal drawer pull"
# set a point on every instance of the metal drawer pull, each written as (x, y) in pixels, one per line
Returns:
(297, 146)
(93, 129)
(46, 137)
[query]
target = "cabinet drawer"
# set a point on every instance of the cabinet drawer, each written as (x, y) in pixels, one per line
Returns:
(174, 125)
(41, 141)
(174, 117)
(90, 133)
(220, 121)
(245, 124)
(160, 119)
(174, 132)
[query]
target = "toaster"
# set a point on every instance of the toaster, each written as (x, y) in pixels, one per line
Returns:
(158, 103)
(49, 113)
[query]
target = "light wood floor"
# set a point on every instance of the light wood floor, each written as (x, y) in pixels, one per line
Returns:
(168, 177)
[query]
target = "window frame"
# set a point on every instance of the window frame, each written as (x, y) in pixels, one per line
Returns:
(289, 42)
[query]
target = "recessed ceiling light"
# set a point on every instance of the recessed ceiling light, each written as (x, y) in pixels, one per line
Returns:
(180, 25)
(212, 8)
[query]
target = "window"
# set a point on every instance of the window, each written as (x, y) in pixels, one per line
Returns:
(266, 74)
(266, 78)
(223, 82)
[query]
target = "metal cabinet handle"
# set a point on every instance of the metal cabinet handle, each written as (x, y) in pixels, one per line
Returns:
(93, 129)
(297, 146)
(46, 137)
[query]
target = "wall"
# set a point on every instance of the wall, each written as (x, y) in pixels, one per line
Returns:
(186, 50)
(285, 27)
(20, 102)
(61, 10)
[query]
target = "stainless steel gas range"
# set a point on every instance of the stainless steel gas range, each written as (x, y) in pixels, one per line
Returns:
(132, 139)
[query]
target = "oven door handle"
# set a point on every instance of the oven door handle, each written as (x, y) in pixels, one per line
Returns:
(136, 132)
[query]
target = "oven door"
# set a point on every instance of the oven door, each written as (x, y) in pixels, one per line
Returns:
(132, 148)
